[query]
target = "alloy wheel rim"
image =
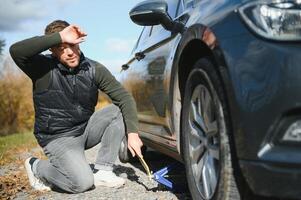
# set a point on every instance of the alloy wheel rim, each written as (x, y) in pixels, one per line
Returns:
(204, 141)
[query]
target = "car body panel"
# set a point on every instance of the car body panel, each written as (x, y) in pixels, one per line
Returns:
(150, 78)
(261, 78)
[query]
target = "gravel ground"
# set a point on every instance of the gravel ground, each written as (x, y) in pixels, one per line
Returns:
(137, 185)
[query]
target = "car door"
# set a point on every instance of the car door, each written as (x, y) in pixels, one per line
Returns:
(148, 75)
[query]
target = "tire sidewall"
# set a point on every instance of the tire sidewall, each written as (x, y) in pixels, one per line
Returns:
(202, 69)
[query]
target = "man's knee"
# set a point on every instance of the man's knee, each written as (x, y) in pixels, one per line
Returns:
(105, 116)
(111, 111)
(113, 108)
(81, 183)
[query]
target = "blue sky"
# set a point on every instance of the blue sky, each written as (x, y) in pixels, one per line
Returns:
(111, 33)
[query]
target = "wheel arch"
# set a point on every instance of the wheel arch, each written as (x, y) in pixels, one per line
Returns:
(195, 50)
(192, 47)
(196, 43)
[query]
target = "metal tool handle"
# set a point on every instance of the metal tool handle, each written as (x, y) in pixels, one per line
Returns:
(145, 166)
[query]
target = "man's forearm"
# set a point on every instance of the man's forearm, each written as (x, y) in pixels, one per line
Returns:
(126, 103)
(109, 85)
(129, 111)
(24, 50)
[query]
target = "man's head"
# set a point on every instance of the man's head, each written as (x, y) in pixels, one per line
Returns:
(67, 54)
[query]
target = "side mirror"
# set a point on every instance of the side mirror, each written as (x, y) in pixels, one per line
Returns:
(154, 12)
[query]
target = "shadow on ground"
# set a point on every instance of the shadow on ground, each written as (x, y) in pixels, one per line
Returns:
(157, 161)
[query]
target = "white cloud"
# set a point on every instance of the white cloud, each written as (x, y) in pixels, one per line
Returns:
(16, 15)
(14, 12)
(114, 66)
(119, 45)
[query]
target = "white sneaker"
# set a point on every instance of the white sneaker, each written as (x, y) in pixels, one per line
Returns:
(35, 183)
(108, 179)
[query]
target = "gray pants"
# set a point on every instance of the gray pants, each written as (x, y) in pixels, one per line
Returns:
(67, 167)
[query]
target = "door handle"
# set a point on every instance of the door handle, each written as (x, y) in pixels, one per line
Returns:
(139, 55)
(124, 67)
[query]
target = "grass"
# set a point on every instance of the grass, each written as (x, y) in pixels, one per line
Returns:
(11, 144)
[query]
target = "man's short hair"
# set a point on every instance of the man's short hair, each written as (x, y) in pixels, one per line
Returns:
(56, 26)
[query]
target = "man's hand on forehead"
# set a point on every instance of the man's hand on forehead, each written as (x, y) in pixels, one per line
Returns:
(72, 35)
(79, 31)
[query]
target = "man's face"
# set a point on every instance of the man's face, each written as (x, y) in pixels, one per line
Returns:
(67, 54)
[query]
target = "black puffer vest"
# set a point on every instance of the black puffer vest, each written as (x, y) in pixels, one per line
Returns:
(66, 106)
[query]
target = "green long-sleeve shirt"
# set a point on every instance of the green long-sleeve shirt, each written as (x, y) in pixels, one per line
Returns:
(27, 55)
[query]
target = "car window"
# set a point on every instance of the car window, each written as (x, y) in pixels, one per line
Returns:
(196, 1)
(180, 8)
(173, 8)
(188, 3)
(145, 33)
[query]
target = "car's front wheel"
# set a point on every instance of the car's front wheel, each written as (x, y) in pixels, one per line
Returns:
(204, 136)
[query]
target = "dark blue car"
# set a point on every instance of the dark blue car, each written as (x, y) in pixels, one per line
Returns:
(218, 87)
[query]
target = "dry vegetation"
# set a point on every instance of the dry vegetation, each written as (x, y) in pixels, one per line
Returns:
(17, 116)
(16, 108)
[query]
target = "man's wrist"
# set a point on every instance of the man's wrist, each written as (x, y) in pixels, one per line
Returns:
(133, 133)
(62, 36)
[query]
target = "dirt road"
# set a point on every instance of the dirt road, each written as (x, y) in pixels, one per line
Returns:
(137, 187)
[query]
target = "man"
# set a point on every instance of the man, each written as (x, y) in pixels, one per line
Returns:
(65, 91)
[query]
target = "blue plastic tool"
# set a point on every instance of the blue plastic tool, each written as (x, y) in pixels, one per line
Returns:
(159, 177)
